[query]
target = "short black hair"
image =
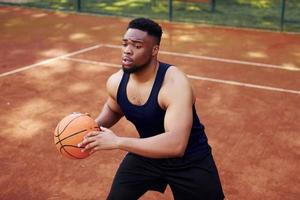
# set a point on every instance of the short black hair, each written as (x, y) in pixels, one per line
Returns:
(147, 25)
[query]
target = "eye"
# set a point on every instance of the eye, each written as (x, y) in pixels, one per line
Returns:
(138, 46)
(124, 44)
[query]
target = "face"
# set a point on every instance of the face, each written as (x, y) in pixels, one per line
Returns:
(138, 50)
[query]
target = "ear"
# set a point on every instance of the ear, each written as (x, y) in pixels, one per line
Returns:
(155, 50)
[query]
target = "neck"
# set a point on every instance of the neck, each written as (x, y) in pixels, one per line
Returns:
(148, 73)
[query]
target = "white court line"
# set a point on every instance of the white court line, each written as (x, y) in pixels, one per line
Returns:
(92, 62)
(249, 85)
(50, 60)
(218, 59)
(243, 84)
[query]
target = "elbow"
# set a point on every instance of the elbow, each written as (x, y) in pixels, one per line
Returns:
(179, 151)
(178, 147)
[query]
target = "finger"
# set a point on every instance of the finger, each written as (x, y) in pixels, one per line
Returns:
(91, 134)
(103, 128)
(85, 141)
(89, 146)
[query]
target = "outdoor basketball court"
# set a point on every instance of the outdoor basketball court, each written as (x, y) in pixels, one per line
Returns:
(247, 84)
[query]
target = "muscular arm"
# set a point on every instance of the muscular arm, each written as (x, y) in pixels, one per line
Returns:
(111, 112)
(109, 115)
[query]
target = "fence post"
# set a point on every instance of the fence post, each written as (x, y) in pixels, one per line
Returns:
(282, 15)
(78, 5)
(170, 3)
(213, 5)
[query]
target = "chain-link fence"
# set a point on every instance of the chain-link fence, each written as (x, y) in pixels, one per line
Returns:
(281, 15)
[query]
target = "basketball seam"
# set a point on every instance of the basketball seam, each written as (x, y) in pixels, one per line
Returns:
(63, 147)
(58, 137)
(67, 125)
(59, 141)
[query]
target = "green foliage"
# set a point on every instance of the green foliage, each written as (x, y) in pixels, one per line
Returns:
(257, 3)
(264, 14)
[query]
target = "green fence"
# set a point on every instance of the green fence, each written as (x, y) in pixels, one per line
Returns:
(282, 15)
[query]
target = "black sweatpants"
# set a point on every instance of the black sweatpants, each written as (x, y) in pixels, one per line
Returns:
(189, 178)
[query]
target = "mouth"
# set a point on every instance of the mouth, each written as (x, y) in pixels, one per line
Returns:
(126, 61)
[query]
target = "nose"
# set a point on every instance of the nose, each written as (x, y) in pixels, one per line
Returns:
(127, 50)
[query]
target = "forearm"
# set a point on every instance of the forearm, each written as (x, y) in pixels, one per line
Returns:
(107, 117)
(164, 145)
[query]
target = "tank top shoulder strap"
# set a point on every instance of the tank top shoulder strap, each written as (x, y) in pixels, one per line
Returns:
(163, 67)
(122, 87)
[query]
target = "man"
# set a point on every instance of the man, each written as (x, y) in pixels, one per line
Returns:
(158, 99)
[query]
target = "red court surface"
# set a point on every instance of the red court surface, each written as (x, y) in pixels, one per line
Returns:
(247, 84)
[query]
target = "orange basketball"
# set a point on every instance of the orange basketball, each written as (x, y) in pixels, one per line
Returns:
(70, 131)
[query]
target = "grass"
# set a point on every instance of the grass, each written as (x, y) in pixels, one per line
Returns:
(261, 14)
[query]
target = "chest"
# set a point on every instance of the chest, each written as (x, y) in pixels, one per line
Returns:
(138, 94)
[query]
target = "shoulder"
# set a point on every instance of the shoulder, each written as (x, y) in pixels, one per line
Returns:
(176, 87)
(175, 77)
(113, 83)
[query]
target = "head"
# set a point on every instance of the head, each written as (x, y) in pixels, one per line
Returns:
(140, 44)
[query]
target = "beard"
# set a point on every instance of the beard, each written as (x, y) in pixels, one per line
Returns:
(136, 68)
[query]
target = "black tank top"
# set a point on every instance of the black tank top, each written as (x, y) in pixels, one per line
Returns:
(149, 117)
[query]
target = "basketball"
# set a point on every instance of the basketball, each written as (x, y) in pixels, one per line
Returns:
(70, 131)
